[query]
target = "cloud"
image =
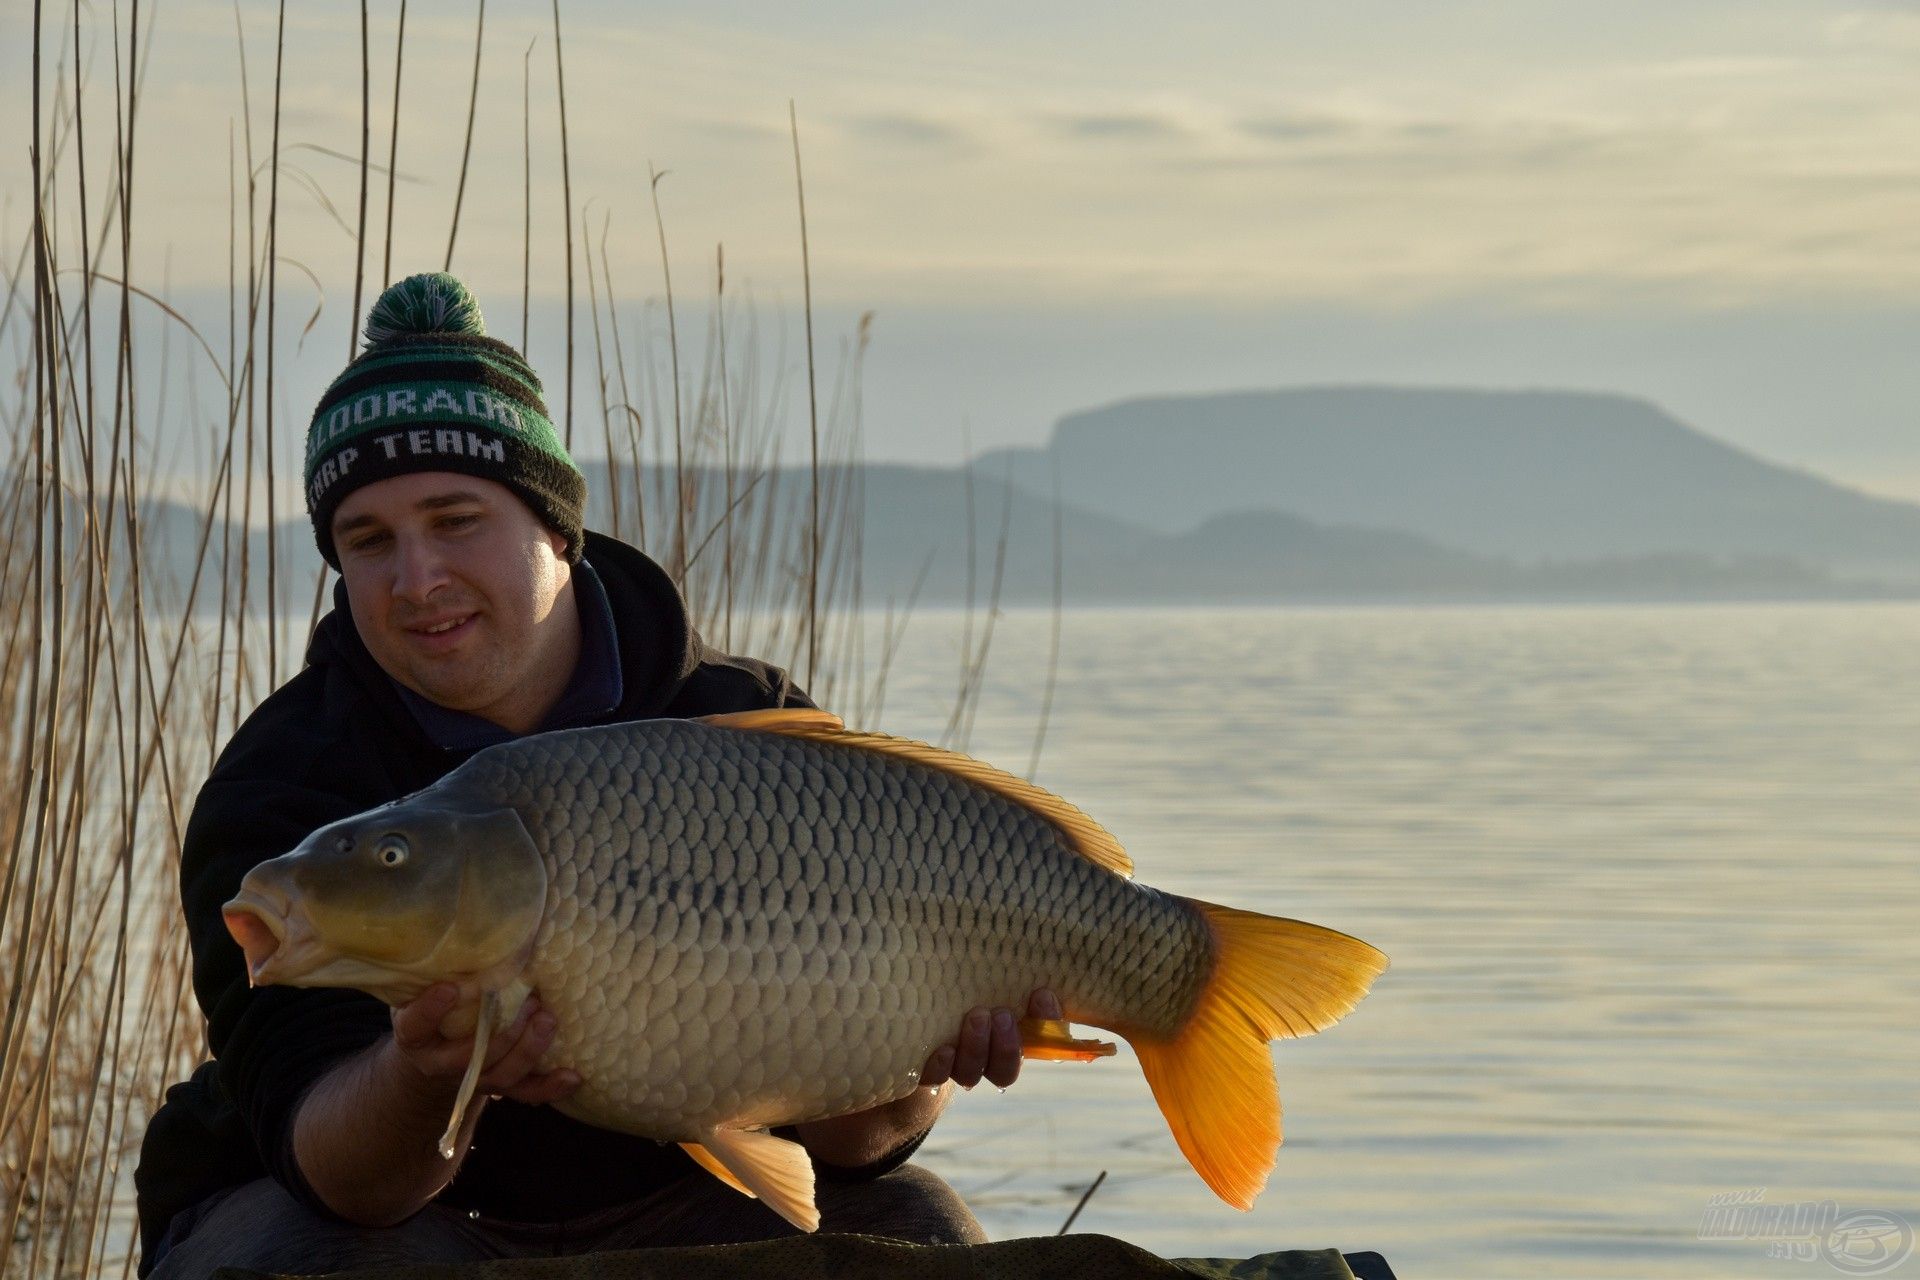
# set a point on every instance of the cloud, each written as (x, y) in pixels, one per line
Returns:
(1727, 67)
(1122, 127)
(1286, 127)
(904, 129)
(1536, 157)
(1387, 144)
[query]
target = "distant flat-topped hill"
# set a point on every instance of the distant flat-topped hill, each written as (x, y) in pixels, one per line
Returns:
(1523, 474)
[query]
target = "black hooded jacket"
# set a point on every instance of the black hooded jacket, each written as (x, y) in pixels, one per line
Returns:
(333, 741)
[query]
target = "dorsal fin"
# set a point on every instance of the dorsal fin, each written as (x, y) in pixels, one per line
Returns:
(775, 719)
(1083, 835)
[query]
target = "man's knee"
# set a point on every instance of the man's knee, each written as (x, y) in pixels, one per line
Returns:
(261, 1227)
(910, 1204)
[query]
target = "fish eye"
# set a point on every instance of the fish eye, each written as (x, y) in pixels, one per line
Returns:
(392, 850)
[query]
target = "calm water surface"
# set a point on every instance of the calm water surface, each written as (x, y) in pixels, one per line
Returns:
(1647, 877)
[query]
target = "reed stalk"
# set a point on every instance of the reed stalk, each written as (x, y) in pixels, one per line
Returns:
(566, 202)
(526, 189)
(393, 149)
(1053, 628)
(360, 231)
(677, 565)
(726, 440)
(273, 283)
(600, 360)
(628, 412)
(466, 148)
(131, 645)
(813, 409)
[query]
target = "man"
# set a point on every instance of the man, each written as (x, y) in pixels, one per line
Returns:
(473, 607)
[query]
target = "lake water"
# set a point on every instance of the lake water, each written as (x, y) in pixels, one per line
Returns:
(1647, 877)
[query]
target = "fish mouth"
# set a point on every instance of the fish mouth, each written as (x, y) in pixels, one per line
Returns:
(274, 948)
(283, 948)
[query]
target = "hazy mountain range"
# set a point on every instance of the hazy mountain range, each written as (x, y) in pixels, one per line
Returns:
(1340, 494)
(1521, 474)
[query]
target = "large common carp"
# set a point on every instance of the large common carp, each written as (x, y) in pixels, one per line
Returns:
(762, 919)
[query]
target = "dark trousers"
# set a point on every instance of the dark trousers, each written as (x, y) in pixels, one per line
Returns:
(261, 1227)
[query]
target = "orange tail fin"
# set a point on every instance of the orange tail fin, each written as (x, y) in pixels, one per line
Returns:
(1213, 1079)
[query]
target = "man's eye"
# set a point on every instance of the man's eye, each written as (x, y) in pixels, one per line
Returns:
(461, 521)
(366, 542)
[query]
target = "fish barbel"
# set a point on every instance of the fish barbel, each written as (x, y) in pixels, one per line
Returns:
(764, 919)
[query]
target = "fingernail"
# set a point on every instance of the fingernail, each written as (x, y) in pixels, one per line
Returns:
(543, 1023)
(1003, 1020)
(977, 1019)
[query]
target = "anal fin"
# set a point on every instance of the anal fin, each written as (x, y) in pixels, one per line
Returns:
(1052, 1040)
(778, 1172)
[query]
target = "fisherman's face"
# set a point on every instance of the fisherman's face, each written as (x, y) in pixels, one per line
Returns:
(460, 593)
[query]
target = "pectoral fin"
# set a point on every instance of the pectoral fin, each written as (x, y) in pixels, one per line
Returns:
(775, 1170)
(482, 1031)
(711, 1163)
(1052, 1040)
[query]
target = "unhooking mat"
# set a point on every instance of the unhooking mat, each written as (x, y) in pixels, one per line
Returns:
(846, 1257)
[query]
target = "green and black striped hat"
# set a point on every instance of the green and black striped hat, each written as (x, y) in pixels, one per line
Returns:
(431, 392)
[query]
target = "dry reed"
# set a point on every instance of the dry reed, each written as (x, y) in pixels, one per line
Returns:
(466, 149)
(135, 636)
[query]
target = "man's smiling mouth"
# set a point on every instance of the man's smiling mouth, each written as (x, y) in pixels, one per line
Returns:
(442, 627)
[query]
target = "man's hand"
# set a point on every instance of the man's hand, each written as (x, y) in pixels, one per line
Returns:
(989, 1045)
(988, 1048)
(512, 1051)
(366, 1135)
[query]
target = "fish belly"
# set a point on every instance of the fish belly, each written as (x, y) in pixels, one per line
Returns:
(749, 929)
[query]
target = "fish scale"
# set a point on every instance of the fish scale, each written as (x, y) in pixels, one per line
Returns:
(874, 864)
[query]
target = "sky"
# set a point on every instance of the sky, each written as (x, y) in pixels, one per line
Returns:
(1050, 207)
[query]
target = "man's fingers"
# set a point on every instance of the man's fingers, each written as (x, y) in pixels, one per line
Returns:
(523, 1052)
(503, 1040)
(416, 1024)
(939, 1068)
(989, 1045)
(539, 1090)
(970, 1057)
(512, 1050)
(1003, 1049)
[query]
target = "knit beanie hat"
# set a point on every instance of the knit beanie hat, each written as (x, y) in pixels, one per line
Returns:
(431, 392)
